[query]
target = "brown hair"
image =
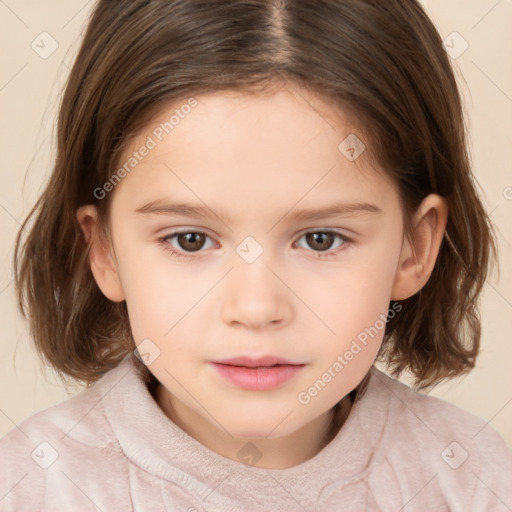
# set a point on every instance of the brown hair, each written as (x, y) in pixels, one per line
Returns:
(383, 62)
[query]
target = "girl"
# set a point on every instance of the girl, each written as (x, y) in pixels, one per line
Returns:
(252, 203)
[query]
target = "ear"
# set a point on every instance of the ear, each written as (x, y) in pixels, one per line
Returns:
(101, 259)
(419, 255)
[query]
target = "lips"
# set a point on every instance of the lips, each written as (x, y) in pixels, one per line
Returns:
(260, 362)
(257, 374)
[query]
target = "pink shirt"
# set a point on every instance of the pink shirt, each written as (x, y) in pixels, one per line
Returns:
(111, 448)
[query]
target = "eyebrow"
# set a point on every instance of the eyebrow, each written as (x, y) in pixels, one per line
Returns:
(161, 207)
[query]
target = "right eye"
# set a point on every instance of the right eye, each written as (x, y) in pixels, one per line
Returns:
(188, 242)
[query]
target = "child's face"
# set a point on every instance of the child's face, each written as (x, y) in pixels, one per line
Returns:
(255, 163)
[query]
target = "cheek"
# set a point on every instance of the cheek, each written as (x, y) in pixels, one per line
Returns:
(354, 294)
(160, 295)
(353, 301)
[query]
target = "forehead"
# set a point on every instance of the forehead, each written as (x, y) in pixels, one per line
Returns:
(241, 149)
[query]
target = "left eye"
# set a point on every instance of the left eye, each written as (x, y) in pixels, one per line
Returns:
(321, 241)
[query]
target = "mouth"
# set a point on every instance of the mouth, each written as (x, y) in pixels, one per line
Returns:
(259, 362)
(257, 374)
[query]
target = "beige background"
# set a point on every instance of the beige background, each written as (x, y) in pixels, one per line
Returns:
(29, 92)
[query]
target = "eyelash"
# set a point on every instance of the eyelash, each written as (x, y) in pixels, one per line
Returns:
(164, 242)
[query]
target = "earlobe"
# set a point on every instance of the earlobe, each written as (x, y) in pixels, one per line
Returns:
(101, 260)
(419, 254)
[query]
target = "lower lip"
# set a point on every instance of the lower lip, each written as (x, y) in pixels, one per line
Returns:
(257, 379)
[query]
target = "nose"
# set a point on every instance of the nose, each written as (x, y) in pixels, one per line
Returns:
(254, 297)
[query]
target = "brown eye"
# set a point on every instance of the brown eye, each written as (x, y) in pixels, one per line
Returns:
(320, 241)
(186, 241)
(323, 241)
(191, 241)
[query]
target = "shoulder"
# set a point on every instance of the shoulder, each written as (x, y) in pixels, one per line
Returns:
(48, 448)
(419, 413)
(438, 440)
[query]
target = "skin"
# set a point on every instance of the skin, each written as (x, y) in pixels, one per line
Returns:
(258, 159)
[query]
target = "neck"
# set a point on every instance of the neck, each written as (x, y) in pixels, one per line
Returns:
(278, 453)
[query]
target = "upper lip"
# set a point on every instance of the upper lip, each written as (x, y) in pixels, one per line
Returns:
(251, 362)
